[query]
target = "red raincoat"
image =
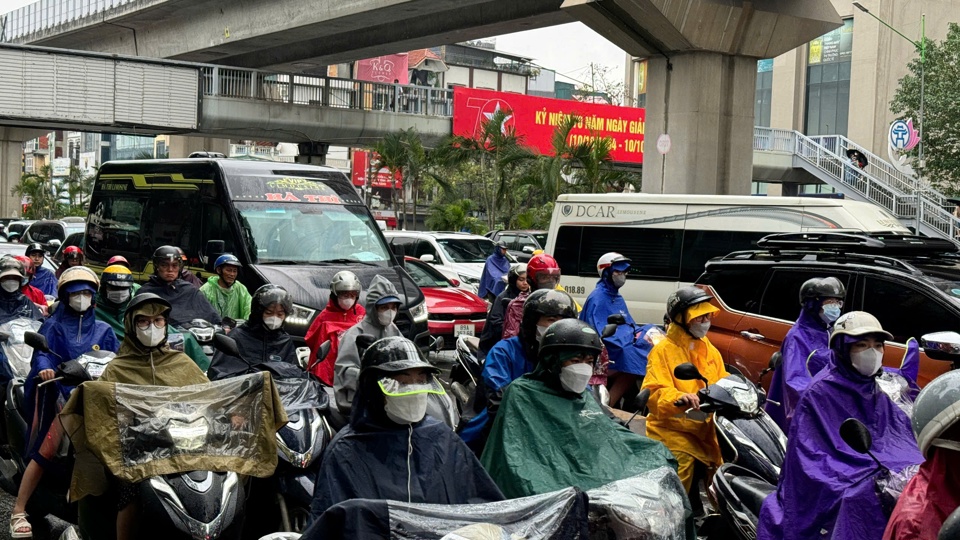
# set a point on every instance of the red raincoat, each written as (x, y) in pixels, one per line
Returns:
(330, 324)
(35, 295)
(928, 499)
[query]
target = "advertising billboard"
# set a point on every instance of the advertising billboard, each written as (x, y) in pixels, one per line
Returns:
(536, 118)
(361, 163)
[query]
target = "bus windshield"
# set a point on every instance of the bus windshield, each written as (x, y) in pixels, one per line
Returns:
(311, 233)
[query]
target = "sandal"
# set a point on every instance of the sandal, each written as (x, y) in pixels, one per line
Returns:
(20, 527)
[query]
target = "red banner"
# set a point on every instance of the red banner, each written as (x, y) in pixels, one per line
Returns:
(536, 118)
(384, 69)
(361, 164)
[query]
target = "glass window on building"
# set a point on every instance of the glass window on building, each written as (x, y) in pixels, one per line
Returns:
(761, 108)
(828, 82)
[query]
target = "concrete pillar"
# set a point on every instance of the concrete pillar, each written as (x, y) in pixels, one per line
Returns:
(11, 156)
(312, 153)
(704, 101)
(182, 146)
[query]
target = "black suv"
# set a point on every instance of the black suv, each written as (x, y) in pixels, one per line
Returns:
(521, 244)
(910, 283)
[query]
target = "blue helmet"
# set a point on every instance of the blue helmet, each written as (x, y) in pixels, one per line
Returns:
(227, 258)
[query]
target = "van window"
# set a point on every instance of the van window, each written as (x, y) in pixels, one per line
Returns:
(655, 252)
(114, 228)
(165, 224)
(738, 287)
(904, 310)
(781, 299)
(701, 246)
(216, 226)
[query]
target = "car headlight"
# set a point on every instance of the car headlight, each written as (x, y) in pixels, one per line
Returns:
(469, 280)
(419, 312)
(300, 316)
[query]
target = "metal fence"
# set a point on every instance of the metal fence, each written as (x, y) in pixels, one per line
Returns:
(326, 91)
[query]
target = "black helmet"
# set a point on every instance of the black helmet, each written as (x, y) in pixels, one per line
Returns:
(267, 295)
(683, 299)
(501, 244)
(570, 334)
(819, 288)
(544, 303)
(165, 254)
(33, 248)
(136, 305)
(393, 354)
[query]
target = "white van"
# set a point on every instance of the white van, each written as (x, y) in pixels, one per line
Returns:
(671, 237)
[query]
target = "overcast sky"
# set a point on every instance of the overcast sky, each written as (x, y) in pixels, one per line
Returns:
(567, 49)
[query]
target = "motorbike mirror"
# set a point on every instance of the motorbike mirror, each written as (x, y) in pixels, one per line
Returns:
(72, 373)
(608, 330)
(364, 341)
(323, 350)
(437, 345)
(776, 360)
(226, 344)
(688, 372)
(951, 527)
(855, 434)
(942, 345)
(37, 341)
(616, 318)
(640, 402)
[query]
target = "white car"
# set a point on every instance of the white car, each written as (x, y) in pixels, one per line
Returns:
(458, 256)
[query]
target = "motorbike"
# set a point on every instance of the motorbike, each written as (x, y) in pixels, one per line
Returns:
(300, 442)
(203, 331)
(466, 378)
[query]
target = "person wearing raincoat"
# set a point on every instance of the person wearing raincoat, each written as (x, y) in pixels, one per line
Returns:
(343, 312)
(512, 358)
(517, 284)
(70, 331)
(14, 304)
(187, 300)
(543, 272)
(72, 256)
(821, 300)
(34, 294)
(627, 361)
(227, 295)
(934, 492)
(43, 278)
(692, 441)
(261, 339)
(391, 449)
(491, 279)
(827, 489)
(550, 434)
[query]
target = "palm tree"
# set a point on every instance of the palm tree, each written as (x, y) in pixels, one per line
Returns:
(38, 188)
(404, 153)
(392, 155)
(597, 174)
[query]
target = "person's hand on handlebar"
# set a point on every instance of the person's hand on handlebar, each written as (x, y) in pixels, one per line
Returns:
(689, 400)
(47, 374)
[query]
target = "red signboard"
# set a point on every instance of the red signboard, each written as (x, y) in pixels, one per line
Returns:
(536, 118)
(360, 164)
(384, 69)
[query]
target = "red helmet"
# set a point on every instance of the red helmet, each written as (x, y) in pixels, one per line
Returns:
(541, 269)
(118, 259)
(27, 263)
(72, 252)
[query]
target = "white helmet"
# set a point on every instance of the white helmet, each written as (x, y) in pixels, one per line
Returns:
(856, 324)
(344, 281)
(608, 259)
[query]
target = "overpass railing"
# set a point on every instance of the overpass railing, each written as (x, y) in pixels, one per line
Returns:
(325, 91)
(46, 14)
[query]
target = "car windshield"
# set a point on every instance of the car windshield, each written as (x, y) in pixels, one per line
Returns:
(541, 239)
(424, 276)
(466, 250)
(75, 228)
(311, 233)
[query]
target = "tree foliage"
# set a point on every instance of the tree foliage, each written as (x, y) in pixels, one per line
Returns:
(941, 115)
(45, 197)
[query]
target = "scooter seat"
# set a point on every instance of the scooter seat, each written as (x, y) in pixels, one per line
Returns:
(751, 491)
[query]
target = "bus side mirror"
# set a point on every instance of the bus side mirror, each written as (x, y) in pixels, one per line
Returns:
(212, 251)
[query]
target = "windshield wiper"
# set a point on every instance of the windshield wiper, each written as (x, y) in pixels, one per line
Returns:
(346, 261)
(286, 262)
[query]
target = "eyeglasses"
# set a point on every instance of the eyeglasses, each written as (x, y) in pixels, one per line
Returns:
(159, 322)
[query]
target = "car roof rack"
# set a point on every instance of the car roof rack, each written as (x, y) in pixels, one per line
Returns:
(848, 242)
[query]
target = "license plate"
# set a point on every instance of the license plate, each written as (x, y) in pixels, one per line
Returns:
(462, 330)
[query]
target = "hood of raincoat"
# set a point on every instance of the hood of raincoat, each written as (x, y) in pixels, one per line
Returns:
(45, 280)
(16, 305)
(187, 300)
(832, 482)
(257, 346)
(928, 499)
(807, 335)
(380, 287)
(625, 353)
(586, 450)
(491, 279)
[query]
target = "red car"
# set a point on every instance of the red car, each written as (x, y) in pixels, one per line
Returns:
(452, 311)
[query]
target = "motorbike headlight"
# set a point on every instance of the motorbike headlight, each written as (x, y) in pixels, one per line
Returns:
(300, 316)
(419, 312)
(742, 392)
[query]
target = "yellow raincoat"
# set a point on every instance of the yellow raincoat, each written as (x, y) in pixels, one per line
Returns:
(685, 437)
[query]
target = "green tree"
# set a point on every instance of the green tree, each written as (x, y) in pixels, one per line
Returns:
(392, 155)
(37, 189)
(941, 115)
(404, 153)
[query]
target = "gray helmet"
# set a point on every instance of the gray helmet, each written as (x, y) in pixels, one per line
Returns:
(344, 281)
(936, 409)
(819, 288)
(684, 298)
(392, 354)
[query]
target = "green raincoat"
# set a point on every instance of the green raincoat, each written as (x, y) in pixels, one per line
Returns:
(545, 438)
(233, 302)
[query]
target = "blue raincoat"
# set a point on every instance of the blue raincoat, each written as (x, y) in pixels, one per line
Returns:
(826, 488)
(807, 335)
(491, 280)
(44, 280)
(69, 335)
(625, 355)
(506, 362)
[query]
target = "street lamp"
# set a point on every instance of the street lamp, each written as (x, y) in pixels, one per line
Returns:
(922, 46)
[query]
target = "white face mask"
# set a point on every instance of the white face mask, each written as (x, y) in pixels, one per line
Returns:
(386, 317)
(406, 409)
(698, 330)
(867, 362)
(118, 297)
(10, 285)
(541, 330)
(346, 303)
(80, 301)
(618, 281)
(151, 336)
(272, 323)
(574, 378)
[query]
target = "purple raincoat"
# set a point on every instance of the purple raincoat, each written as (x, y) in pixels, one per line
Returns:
(789, 382)
(826, 488)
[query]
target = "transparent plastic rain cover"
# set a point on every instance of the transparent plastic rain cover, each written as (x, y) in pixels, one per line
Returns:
(18, 353)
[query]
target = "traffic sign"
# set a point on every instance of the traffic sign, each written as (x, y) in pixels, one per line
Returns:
(663, 143)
